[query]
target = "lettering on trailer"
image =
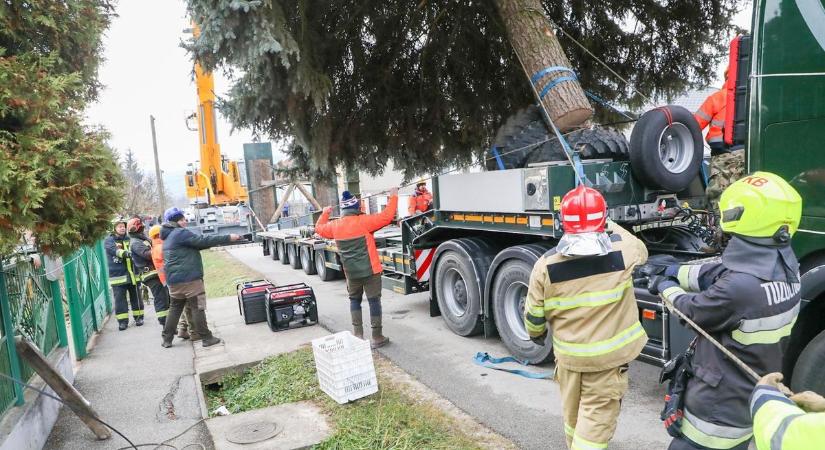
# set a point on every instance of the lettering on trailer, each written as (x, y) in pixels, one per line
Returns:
(780, 291)
(423, 261)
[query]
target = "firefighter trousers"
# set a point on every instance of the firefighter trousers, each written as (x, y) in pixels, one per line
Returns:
(160, 296)
(122, 307)
(590, 405)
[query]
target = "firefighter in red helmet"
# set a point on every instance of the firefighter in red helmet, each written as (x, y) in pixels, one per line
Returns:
(584, 289)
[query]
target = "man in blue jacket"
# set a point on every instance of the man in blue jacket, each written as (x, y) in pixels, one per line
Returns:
(184, 275)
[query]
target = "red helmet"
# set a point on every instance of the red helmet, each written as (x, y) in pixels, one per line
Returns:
(583, 210)
(134, 225)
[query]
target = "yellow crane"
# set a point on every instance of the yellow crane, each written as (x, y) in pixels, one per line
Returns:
(217, 180)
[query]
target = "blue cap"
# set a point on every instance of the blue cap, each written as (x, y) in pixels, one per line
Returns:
(173, 214)
(349, 201)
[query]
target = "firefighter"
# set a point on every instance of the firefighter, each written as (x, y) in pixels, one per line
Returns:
(584, 289)
(421, 200)
(184, 275)
(141, 248)
(157, 260)
(748, 302)
(122, 276)
(726, 165)
(782, 423)
(353, 234)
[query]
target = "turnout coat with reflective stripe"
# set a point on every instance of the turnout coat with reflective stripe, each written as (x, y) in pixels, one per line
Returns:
(590, 305)
(120, 267)
(141, 248)
(778, 424)
(749, 303)
(353, 234)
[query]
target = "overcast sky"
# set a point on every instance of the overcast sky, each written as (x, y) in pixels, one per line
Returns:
(147, 72)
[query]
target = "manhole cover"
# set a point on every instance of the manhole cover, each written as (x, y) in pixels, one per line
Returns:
(251, 433)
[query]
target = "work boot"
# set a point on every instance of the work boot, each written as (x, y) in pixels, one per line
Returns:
(165, 344)
(378, 339)
(211, 341)
(139, 321)
(162, 321)
(122, 325)
(183, 334)
(357, 324)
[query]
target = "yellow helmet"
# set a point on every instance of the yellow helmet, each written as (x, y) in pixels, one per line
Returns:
(154, 231)
(761, 205)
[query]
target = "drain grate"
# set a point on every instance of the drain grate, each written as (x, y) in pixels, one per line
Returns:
(251, 433)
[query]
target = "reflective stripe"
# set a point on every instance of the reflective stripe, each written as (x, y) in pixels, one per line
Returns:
(771, 322)
(762, 394)
(117, 280)
(779, 434)
(672, 292)
(148, 275)
(120, 253)
(570, 218)
(596, 215)
(717, 123)
(535, 320)
(703, 114)
(688, 276)
(536, 311)
(599, 348)
(763, 337)
(162, 314)
(137, 312)
(534, 329)
(122, 316)
(712, 435)
(580, 443)
(589, 299)
(568, 430)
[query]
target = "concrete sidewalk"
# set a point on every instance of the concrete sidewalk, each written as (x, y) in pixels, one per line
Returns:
(145, 391)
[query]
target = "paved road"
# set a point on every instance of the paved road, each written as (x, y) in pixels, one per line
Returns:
(524, 410)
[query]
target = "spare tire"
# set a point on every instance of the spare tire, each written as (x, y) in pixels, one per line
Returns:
(514, 142)
(666, 148)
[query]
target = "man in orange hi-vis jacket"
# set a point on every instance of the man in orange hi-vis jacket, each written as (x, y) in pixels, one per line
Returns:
(353, 234)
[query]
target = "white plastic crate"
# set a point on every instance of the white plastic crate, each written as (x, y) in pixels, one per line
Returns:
(344, 365)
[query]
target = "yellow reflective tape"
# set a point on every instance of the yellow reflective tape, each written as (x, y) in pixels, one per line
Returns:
(683, 276)
(117, 280)
(580, 443)
(691, 430)
(162, 314)
(672, 292)
(535, 310)
(537, 329)
(763, 337)
(599, 348)
(588, 299)
(568, 430)
(122, 316)
(137, 312)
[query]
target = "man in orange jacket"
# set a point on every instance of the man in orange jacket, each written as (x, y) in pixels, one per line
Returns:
(726, 165)
(353, 234)
(421, 200)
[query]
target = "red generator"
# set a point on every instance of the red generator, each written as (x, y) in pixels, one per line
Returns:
(252, 300)
(290, 306)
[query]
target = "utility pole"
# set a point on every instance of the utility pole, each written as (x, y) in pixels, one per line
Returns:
(158, 173)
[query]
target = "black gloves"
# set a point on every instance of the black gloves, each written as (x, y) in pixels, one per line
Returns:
(658, 283)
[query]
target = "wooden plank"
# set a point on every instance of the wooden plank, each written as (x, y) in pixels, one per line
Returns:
(61, 386)
(280, 209)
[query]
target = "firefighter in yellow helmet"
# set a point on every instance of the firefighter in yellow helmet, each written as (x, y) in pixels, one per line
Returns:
(748, 302)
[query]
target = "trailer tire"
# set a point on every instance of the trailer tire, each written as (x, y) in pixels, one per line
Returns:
(273, 249)
(306, 260)
(666, 148)
(283, 253)
(294, 258)
(324, 272)
(459, 297)
(807, 373)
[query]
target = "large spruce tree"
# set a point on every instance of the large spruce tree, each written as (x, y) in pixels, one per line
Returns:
(426, 83)
(57, 176)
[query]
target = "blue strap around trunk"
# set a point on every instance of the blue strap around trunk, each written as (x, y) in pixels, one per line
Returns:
(484, 359)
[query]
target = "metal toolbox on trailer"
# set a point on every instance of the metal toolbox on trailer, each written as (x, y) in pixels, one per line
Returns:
(290, 306)
(252, 300)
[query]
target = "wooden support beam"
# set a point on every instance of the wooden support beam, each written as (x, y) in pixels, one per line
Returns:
(309, 196)
(61, 386)
(280, 209)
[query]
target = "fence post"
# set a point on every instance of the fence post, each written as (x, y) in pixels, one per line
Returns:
(8, 327)
(104, 274)
(75, 313)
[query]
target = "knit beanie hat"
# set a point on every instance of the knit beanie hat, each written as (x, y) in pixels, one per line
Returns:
(349, 201)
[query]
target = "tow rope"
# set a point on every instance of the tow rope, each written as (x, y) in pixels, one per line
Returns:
(484, 359)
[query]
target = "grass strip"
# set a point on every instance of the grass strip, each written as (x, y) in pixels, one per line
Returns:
(222, 273)
(389, 419)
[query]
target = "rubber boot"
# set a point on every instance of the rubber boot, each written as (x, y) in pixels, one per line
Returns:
(378, 339)
(139, 321)
(357, 324)
(122, 325)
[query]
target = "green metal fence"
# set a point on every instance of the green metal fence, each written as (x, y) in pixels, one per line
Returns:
(31, 305)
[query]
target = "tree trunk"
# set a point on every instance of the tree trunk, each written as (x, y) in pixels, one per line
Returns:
(326, 193)
(536, 45)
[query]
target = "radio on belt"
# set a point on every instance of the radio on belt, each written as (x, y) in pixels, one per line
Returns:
(290, 306)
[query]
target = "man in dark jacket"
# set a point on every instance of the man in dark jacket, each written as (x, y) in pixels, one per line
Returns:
(122, 276)
(184, 274)
(141, 248)
(748, 302)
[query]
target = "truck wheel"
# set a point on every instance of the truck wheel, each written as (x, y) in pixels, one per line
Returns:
(458, 294)
(283, 253)
(294, 258)
(807, 373)
(324, 272)
(514, 138)
(306, 261)
(666, 148)
(273, 250)
(509, 293)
